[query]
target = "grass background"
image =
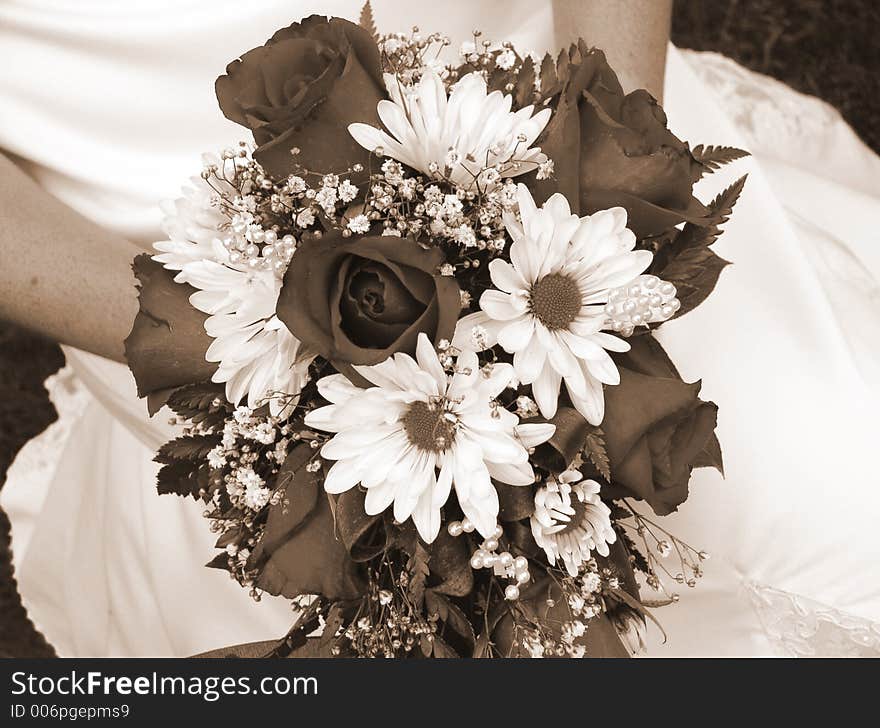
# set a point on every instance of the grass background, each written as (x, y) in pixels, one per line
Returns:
(828, 48)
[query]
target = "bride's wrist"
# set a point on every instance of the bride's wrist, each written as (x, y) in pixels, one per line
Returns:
(634, 35)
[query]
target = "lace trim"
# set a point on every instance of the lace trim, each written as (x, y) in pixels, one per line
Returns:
(802, 627)
(768, 113)
(35, 464)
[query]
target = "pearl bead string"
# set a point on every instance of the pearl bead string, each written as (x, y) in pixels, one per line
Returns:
(504, 565)
(646, 300)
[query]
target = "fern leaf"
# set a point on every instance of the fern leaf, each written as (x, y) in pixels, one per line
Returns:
(367, 22)
(525, 83)
(549, 80)
(721, 207)
(715, 157)
(191, 448)
(688, 262)
(181, 478)
(594, 449)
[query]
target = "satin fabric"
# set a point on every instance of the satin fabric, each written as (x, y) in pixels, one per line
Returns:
(109, 106)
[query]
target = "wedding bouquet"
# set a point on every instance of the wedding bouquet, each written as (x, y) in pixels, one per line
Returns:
(407, 333)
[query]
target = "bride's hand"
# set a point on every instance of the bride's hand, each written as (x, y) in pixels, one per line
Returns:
(633, 34)
(60, 274)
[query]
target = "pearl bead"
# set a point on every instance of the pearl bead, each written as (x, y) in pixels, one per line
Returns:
(455, 529)
(511, 593)
(498, 532)
(520, 563)
(506, 559)
(477, 562)
(523, 577)
(467, 526)
(490, 544)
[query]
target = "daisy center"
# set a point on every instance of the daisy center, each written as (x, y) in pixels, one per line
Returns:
(429, 426)
(555, 301)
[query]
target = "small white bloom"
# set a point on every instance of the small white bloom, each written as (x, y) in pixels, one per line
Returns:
(570, 521)
(347, 191)
(359, 224)
(217, 457)
(296, 184)
(419, 432)
(545, 169)
(326, 198)
(467, 48)
(305, 218)
(465, 236)
(505, 59)
(591, 582)
(632, 631)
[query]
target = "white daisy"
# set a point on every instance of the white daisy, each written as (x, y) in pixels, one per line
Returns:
(460, 138)
(192, 222)
(549, 309)
(570, 520)
(419, 432)
(256, 353)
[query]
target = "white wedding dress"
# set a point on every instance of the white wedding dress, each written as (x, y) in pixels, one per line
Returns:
(109, 105)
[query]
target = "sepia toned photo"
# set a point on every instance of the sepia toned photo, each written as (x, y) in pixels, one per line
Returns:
(498, 329)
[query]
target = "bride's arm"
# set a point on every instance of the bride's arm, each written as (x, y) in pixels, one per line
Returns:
(60, 274)
(633, 34)
(71, 280)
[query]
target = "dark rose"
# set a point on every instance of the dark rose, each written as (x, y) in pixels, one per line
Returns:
(657, 430)
(360, 300)
(302, 89)
(167, 344)
(613, 149)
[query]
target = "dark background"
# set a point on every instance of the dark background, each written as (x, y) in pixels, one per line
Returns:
(828, 48)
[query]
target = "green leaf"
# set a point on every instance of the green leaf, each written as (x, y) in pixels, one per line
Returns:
(181, 477)
(525, 83)
(418, 569)
(721, 207)
(594, 449)
(714, 157)
(202, 403)
(516, 501)
(367, 22)
(688, 262)
(639, 562)
(451, 616)
(710, 456)
(450, 565)
(549, 80)
(220, 561)
(442, 650)
(192, 448)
